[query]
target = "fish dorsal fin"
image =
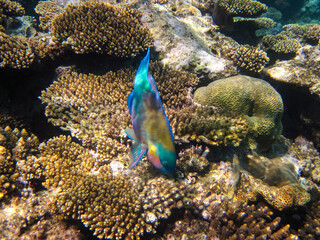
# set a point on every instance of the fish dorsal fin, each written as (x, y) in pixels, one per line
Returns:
(142, 72)
(131, 134)
(129, 102)
(138, 150)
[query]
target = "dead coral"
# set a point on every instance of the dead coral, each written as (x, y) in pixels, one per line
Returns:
(101, 28)
(249, 58)
(47, 10)
(15, 52)
(112, 206)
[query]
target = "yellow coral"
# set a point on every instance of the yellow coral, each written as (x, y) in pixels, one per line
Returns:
(114, 207)
(281, 44)
(47, 10)
(255, 23)
(249, 58)
(256, 100)
(244, 8)
(15, 52)
(101, 28)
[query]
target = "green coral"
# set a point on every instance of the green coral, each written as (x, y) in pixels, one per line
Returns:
(254, 99)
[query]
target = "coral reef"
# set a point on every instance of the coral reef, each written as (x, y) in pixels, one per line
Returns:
(15, 145)
(255, 23)
(243, 8)
(29, 218)
(47, 10)
(15, 52)
(101, 28)
(249, 58)
(126, 209)
(303, 71)
(280, 44)
(258, 102)
(9, 8)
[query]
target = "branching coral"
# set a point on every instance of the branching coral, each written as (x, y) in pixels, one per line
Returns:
(249, 58)
(244, 8)
(15, 52)
(15, 145)
(280, 44)
(47, 10)
(255, 23)
(112, 206)
(101, 28)
(256, 100)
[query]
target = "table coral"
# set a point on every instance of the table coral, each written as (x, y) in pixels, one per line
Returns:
(114, 207)
(15, 52)
(47, 10)
(244, 8)
(281, 44)
(101, 28)
(249, 58)
(256, 100)
(255, 23)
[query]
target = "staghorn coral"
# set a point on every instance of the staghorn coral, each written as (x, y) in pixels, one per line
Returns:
(101, 28)
(15, 145)
(15, 52)
(112, 206)
(280, 44)
(47, 10)
(257, 102)
(249, 58)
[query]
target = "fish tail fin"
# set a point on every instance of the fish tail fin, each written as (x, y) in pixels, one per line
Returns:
(138, 150)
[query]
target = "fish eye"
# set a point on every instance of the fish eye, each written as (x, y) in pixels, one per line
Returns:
(164, 164)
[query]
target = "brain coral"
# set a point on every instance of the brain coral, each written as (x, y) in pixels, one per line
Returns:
(114, 207)
(254, 99)
(249, 58)
(101, 28)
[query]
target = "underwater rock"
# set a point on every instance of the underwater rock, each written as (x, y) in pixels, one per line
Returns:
(188, 42)
(252, 98)
(302, 72)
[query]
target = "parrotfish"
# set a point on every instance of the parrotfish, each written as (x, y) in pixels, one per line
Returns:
(151, 129)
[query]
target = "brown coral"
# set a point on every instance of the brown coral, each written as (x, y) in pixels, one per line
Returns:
(252, 98)
(255, 23)
(249, 58)
(281, 44)
(47, 10)
(15, 145)
(244, 8)
(15, 52)
(101, 28)
(112, 206)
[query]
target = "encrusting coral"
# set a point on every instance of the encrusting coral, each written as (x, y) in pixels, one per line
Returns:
(114, 207)
(101, 28)
(249, 58)
(254, 99)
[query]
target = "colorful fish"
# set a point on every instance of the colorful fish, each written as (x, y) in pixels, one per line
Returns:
(151, 129)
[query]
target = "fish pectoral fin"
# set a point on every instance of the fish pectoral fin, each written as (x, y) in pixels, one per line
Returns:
(131, 134)
(138, 150)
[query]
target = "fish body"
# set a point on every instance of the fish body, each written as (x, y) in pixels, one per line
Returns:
(151, 131)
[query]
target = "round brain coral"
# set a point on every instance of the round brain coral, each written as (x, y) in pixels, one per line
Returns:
(254, 99)
(101, 28)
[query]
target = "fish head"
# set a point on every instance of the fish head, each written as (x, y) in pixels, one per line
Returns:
(163, 159)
